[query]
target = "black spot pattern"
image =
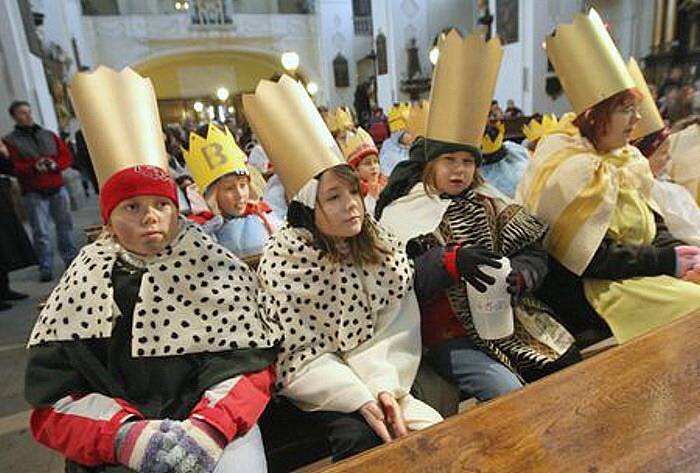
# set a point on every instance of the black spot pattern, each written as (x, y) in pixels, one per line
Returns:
(172, 315)
(324, 306)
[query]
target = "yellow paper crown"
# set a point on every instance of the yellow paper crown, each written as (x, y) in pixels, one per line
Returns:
(587, 62)
(214, 156)
(398, 115)
(357, 144)
(535, 130)
(119, 117)
(339, 119)
(651, 120)
(488, 145)
(463, 84)
(417, 121)
(291, 131)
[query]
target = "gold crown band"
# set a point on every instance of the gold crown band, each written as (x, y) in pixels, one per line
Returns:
(587, 62)
(291, 131)
(118, 114)
(463, 85)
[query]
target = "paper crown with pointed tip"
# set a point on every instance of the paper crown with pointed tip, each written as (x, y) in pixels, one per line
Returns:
(417, 121)
(651, 120)
(458, 113)
(291, 131)
(488, 145)
(119, 118)
(398, 115)
(587, 62)
(357, 146)
(339, 119)
(214, 156)
(535, 129)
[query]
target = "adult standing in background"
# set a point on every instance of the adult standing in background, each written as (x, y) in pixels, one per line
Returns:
(38, 157)
(15, 249)
(84, 164)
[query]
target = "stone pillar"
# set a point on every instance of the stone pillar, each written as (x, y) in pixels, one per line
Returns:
(335, 35)
(658, 23)
(400, 20)
(670, 30)
(25, 78)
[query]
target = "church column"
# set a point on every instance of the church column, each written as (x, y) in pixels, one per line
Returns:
(670, 30)
(336, 37)
(25, 79)
(658, 23)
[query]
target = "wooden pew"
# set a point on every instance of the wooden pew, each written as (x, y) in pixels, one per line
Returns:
(635, 407)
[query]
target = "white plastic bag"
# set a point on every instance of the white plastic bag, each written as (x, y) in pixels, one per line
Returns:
(491, 310)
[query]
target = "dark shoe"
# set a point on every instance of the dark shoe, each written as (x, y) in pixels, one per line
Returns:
(45, 276)
(5, 306)
(11, 295)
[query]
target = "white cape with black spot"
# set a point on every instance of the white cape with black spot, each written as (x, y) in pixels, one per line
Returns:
(194, 297)
(351, 332)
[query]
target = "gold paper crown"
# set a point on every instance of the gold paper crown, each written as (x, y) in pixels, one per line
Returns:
(356, 144)
(488, 145)
(339, 119)
(291, 131)
(587, 62)
(214, 156)
(651, 120)
(463, 84)
(417, 122)
(398, 115)
(119, 117)
(535, 130)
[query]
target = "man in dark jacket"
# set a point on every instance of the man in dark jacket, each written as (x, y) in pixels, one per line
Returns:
(38, 157)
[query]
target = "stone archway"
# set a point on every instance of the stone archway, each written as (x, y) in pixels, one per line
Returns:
(181, 77)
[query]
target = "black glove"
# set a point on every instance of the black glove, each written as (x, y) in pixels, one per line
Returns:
(520, 283)
(468, 260)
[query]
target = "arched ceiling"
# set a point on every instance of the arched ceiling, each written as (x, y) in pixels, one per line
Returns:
(199, 74)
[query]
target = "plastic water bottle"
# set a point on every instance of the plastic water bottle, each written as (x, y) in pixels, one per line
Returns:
(491, 310)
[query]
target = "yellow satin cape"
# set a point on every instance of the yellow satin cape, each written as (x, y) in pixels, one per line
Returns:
(586, 196)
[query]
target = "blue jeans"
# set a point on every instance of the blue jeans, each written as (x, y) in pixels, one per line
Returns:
(474, 372)
(244, 455)
(41, 209)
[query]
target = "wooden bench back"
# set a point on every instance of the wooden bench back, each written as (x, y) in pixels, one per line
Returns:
(635, 407)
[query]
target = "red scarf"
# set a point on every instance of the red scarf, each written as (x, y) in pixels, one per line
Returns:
(260, 209)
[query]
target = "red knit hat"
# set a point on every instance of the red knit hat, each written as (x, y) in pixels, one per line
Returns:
(135, 181)
(360, 154)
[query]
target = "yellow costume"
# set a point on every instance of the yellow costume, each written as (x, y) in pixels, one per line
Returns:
(590, 198)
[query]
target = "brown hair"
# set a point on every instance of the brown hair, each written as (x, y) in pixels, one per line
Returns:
(593, 123)
(429, 177)
(366, 247)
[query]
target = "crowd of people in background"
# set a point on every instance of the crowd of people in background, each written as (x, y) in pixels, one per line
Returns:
(328, 257)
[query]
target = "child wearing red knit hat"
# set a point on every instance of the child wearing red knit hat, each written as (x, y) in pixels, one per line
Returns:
(151, 353)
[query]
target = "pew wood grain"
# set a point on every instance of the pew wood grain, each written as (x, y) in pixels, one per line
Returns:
(633, 408)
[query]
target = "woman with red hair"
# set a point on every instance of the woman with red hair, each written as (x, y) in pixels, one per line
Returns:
(613, 255)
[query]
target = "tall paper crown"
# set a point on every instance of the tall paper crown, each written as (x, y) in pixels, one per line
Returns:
(462, 89)
(398, 115)
(214, 156)
(488, 145)
(357, 145)
(119, 117)
(339, 119)
(417, 122)
(587, 62)
(651, 120)
(291, 131)
(535, 130)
